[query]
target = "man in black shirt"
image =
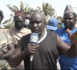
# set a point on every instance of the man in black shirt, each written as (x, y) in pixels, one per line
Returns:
(47, 51)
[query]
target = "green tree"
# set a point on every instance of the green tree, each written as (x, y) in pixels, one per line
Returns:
(47, 9)
(60, 19)
(14, 8)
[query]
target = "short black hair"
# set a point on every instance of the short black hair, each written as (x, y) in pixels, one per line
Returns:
(1, 14)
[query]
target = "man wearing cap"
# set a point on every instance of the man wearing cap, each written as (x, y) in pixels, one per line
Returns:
(52, 24)
(69, 20)
(18, 30)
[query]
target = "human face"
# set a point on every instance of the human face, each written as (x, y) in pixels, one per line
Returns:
(69, 21)
(19, 22)
(37, 24)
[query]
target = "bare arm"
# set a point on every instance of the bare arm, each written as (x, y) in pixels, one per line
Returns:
(66, 49)
(18, 56)
(9, 52)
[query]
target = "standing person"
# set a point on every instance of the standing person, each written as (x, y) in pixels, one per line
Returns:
(6, 49)
(49, 46)
(52, 26)
(27, 20)
(69, 20)
(18, 31)
(5, 39)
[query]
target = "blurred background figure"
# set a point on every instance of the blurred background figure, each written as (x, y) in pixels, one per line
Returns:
(62, 25)
(5, 39)
(1, 16)
(27, 20)
(52, 24)
(18, 31)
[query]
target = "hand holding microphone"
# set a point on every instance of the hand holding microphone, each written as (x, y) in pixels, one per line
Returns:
(33, 44)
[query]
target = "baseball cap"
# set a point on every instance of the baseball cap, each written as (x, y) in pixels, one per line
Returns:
(52, 24)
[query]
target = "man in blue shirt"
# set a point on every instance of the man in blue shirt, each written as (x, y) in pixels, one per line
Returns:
(69, 20)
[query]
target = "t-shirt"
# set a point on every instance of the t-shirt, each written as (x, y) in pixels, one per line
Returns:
(66, 62)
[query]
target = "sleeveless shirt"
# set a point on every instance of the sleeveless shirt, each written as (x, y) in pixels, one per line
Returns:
(46, 54)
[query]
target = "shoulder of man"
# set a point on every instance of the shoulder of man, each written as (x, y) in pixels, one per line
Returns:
(59, 30)
(25, 40)
(11, 29)
(26, 30)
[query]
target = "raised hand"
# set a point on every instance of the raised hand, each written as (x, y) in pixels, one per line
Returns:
(72, 37)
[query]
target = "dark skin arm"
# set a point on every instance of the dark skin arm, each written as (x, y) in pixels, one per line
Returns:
(19, 55)
(70, 49)
(9, 51)
(66, 49)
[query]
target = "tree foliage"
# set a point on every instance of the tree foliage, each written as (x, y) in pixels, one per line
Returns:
(47, 9)
(60, 19)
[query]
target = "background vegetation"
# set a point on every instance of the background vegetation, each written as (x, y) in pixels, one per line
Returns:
(47, 9)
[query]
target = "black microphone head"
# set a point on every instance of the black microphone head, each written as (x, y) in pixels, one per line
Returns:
(34, 38)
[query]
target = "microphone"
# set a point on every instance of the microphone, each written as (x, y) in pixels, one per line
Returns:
(33, 39)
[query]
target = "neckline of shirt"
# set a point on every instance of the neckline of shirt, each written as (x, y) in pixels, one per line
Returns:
(43, 37)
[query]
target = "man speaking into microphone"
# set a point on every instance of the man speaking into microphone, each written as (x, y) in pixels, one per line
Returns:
(46, 52)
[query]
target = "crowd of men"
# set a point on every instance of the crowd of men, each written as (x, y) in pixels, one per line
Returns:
(53, 44)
